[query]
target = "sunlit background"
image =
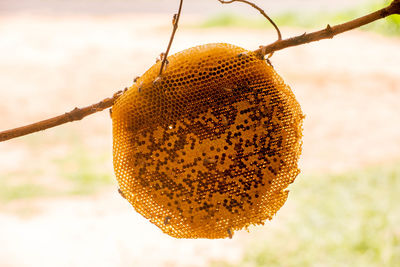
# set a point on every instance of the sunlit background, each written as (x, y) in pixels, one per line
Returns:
(59, 204)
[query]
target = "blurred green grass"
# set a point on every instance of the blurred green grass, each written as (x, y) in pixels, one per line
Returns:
(77, 171)
(309, 20)
(84, 170)
(349, 219)
(11, 192)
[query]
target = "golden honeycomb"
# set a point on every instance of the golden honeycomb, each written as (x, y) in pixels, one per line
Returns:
(209, 147)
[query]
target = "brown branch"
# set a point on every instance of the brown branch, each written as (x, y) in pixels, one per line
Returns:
(330, 31)
(175, 21)
(75, 115)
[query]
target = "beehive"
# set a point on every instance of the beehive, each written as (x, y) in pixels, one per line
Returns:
(210, 146)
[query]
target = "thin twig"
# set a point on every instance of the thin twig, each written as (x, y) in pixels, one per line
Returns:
(74, 115)
(328, 32)
(175, 21)
(260, 10)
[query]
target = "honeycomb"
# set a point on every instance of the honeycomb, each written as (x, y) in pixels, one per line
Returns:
(209, 147)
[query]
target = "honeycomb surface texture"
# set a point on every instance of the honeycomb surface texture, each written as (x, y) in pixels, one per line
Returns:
(210, 147)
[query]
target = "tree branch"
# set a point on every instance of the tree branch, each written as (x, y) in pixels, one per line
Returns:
(328, 32)
(74, 115)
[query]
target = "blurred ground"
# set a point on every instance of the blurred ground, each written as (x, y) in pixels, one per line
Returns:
(349, 89)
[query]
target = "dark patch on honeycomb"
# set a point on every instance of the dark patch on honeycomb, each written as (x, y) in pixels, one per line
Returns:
(210, 147)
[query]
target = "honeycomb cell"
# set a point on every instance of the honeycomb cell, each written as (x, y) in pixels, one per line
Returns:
(211, 146)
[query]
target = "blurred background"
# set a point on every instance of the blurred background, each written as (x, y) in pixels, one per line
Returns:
(59, 204)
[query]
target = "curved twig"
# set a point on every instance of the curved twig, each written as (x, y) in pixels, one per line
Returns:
(260, 10)
(328, 32)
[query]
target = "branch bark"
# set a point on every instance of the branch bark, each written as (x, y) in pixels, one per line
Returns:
(327, 33)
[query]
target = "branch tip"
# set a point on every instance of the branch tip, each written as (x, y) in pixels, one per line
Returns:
(396, 6)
